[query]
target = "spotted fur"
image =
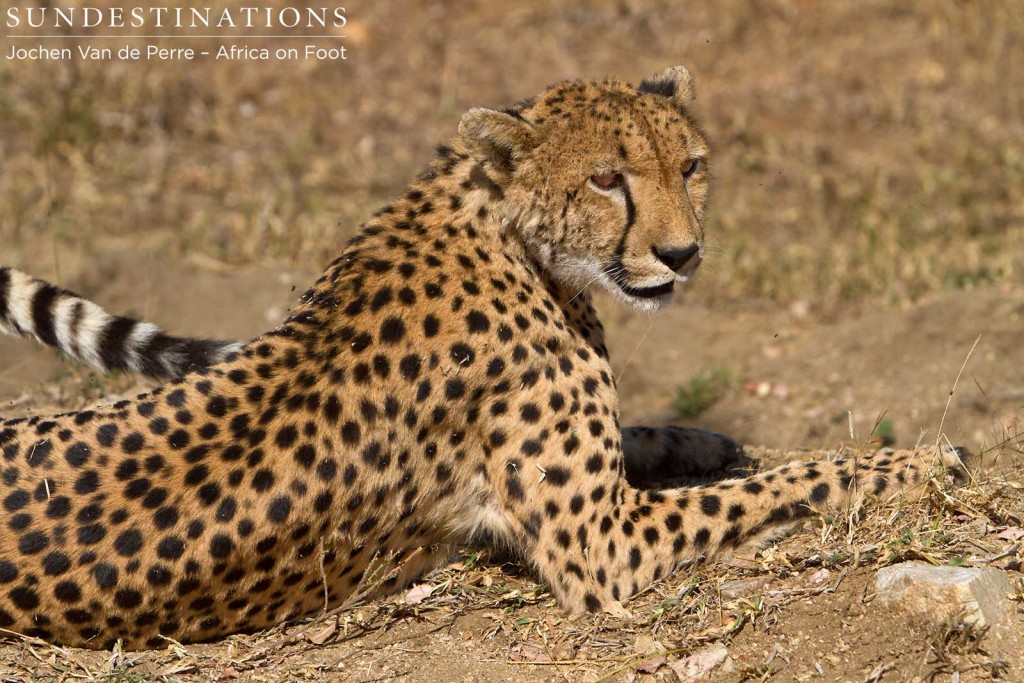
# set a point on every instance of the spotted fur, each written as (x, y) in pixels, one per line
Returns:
(84, 332)
(445, 379)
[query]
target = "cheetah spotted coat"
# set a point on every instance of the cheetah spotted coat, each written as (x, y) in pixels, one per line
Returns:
(445, 379)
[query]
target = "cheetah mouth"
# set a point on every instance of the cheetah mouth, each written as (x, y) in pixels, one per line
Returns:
(619, 277)
(647, 292)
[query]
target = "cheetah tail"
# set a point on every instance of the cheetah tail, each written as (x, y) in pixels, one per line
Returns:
(85, 333)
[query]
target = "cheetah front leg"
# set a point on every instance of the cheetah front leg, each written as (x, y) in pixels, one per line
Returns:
(656, 457)
(597, 540)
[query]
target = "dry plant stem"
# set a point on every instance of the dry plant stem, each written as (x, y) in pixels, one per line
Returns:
(942, 421)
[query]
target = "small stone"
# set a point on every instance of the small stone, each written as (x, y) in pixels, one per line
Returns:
(980, 595)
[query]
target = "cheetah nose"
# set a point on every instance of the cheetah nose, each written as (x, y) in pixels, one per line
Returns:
(676, 258)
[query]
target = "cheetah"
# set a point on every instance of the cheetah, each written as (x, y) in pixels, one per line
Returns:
(446, 379)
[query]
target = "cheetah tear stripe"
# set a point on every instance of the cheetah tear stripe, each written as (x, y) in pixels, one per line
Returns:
(84, 332)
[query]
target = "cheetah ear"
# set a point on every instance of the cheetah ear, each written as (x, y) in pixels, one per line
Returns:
(675, 83)
(497, 136)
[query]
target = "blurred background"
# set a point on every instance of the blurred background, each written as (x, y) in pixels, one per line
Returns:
(868, 220)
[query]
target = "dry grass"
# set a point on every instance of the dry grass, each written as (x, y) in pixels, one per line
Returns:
(866, 151)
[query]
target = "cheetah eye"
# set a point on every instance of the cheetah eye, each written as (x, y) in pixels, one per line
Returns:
(689, 167)
(607, 181)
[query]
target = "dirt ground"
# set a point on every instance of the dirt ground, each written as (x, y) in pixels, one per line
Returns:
(868, 259)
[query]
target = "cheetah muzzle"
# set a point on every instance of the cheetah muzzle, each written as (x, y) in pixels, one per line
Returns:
(446, 379)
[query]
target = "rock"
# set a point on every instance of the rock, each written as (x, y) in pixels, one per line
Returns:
(935, 594)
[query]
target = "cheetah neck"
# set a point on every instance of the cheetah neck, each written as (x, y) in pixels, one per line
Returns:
(453, 206)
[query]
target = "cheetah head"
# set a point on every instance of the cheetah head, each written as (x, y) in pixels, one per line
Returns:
(605, 183)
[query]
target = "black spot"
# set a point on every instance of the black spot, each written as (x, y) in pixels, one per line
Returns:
(477, 322)
(286, 436)
(77, 454)
(67, 592)
(77, 616)
(576, 504)
(24, 598)
(217, 406)
(531, 447)
(820, 493)
(171, 548)
(127, 599)
(710, 505)
(514, 486)
(179, 439)
(262, 480)
(165, 518)
(196, 475)
(305, 455)
(106, 434)
(157, 575)
(56, 563)
(105, 575)
(209, 494)
(392, 330)
(634, 558)
(16, 500)
(127, 469)
(226, 510)
(327, 470)
(279, 509)
(87, 482)
(735, 512)
(558, 476)
(132, 443)
(454, 388)
(33, 542)
(128, 543)
(221, 546)
(155, 498)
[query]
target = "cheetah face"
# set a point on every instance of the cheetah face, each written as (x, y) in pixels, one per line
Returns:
(607, 184)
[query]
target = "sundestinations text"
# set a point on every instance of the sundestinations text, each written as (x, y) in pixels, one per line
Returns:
(173, 17)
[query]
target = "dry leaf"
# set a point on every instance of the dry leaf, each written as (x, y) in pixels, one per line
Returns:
(743, 587)
(1011, 533)
(652, 651)
(698, 667)
(320, 636)
(418, 593)
(649, 666)
(820, 576)
(530, 653)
